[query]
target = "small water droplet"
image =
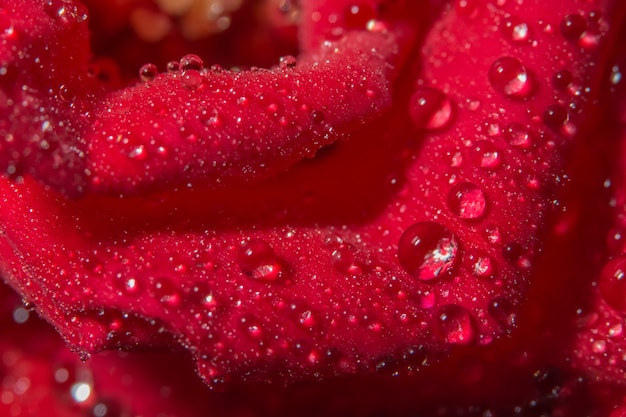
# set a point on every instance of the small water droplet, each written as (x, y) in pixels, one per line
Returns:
(492, 234)
(555, 117)
(357, 16)
(467, 8)
(612, 283)
(148, 72)
(191, 62)
(562, 79)
(515, 30)
(430, 108)
(428, 250)
(344, 260)
(502, 311)
(455, 324)
(172, 66)
(191, 79)
(287, 62)
(167, 293)
(508, 76)
(317, 116)
(518, 135)
(7, 29)
(486, 155)
(138, 152)
(256, 258)
(573, 26)
(483, 266)
(467, 201)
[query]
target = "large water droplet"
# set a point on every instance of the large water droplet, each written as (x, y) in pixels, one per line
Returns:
(256, 258)
(467, 201)
(508, 76)
(427, 250)
(191, 79)
(455, 324)
(430, 108)
(612, 283)
(191, 62)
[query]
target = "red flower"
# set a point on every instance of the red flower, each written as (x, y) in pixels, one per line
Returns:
(424, 193)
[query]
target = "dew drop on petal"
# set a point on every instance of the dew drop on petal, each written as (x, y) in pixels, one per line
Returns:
(172, 66)
(148, 72)
(483, 266)
(515, 30)
(555, 117)
(428, 250)
(467, 201)
(357, 16)
(573, 26)
(455, 324)
(486, 155)
(191, 62)
(508, 76)
(502, 311)
(256, 258)
(343, 260)
(287, 62)
(430, 108)
(191, 79)
(518, 135)
(612, 283)
(562, 79)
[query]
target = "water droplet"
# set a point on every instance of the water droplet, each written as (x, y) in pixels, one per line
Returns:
(344, 260)
(7, 29)
(515, 30)
(317, 116)
(455, 324)
(138, 152)
(467, 8)
(483, 266)
(191, 62)
(612, 283)
(357, 16)
(492, 234)
(467, 201)
(562, 79)
(428, 250)
(172, 66)
(287, 62)
(430, 108)
(573, 26)
(256, 258)
(191, 79)
(167, 293)
(148, 72)
(486, 155)
(518, 135)
(555, 117)
(502, 311)
(508, 76)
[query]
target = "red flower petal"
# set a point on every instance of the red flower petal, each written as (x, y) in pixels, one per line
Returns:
(395, 243)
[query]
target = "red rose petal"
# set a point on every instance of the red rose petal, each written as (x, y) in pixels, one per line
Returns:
(304, 276)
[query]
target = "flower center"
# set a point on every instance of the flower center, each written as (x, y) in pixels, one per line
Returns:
(127, 34)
